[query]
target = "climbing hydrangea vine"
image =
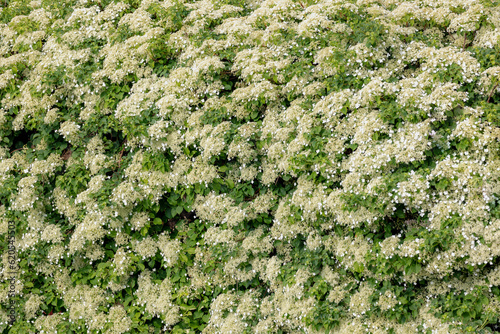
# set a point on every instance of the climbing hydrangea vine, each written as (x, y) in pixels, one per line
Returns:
(243, 166)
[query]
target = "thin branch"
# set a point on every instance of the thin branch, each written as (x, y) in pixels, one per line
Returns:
(120, 158)
(121, 153)
(17, 150)
(491, 93)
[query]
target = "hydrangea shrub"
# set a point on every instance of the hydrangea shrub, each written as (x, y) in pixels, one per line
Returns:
(242, 166)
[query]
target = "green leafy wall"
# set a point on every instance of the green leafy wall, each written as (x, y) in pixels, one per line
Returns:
(240, 166)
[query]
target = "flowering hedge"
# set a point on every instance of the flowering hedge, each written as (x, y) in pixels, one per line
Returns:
(243, 166)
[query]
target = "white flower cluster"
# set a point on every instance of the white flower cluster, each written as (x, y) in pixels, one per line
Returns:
(157, 298)
(69, 130)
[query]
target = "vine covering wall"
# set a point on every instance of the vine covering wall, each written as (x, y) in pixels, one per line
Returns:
(241, 166)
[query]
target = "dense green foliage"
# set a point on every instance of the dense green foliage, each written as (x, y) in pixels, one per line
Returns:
(241, 166)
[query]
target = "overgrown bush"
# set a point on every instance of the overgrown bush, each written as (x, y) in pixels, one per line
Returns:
(242, 166)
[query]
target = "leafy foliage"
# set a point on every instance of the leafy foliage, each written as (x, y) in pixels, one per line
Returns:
(239, 166)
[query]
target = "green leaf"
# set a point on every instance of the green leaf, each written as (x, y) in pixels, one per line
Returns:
(187, 307)
(359, 267)
(177, 210)
(183, 257)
